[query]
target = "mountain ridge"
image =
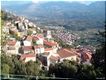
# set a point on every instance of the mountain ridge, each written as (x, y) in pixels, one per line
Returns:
(63, 13)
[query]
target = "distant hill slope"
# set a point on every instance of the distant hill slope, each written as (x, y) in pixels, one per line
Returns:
(75, 16)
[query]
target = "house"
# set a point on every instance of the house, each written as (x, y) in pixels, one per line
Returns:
(48, 35)
(51, 50)
(21, 27)
(27, 43)
(33, 32)
(27, 37)
(52, 44)
(27, 40)
(44, 59)
(13, 31)
(26, 24)
(38, 39)
(40, 36)
(6, 29)
(35, 26)
(28, 57)
(31, 24)
(48, 58)
(85, 54)
(38, 28)
(12, 47)
(26, 49)
(39, 49)
(68, 54)
(17, 24)
(53, 59)
(8, 23)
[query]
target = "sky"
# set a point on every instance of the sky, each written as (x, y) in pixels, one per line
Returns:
(37, 1)
(52, 0)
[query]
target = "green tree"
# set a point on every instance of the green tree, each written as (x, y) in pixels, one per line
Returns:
(29, 32)
(32, 68)
(66, 69)
(19, 67)
(70, 69)
(7, 60)
(86, 72)
(5, 68)
(98, 59)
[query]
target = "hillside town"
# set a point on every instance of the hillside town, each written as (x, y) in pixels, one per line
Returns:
(30, 43)
(52, 39)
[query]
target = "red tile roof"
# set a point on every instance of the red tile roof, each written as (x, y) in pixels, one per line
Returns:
(40, 36)
(78, 54)
(11, 42)
(50, 43)
(48, 49)
(64, 53)
(39, 46)
(35, 38)
(54, 58)
(46, 53)
(87, 56)
(29, 38)
(23, 56)
(27, 48)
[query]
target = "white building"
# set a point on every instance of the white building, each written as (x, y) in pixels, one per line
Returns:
(66, 54)
(38, 39)
(48, 35)
(27, 43)
(12, 47)
(39, 49)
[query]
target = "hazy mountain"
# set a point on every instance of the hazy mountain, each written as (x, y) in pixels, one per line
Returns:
(72, 14)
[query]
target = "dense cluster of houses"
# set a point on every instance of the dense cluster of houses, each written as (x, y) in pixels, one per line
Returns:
(39, 46)
(66, 37)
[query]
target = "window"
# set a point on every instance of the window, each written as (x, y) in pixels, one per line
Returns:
(11, 48)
